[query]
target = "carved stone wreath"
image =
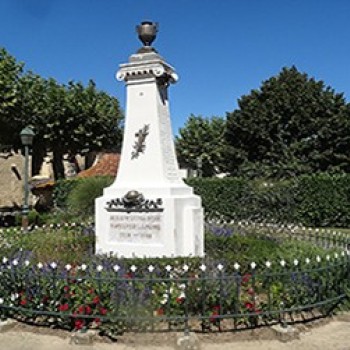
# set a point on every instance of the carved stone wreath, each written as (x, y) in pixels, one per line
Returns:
(134, 201)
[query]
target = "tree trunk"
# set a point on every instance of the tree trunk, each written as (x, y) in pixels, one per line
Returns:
(57, 164)
(38, 154)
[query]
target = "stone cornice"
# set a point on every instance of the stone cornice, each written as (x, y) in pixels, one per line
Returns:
(145, 68)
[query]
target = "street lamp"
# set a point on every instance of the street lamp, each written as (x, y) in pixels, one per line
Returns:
(27, 135)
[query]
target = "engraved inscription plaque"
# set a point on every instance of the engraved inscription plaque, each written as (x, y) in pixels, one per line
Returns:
(135, 227)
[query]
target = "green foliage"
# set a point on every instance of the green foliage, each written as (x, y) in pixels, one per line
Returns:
(318, 200)
(200, 144)
(292, 125)
(81, 199)
(67, 119)
(10, 71)
(324, 200)
(61, 192)
(64, 244)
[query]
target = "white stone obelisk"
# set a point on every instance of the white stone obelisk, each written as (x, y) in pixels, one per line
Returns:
(148, 210)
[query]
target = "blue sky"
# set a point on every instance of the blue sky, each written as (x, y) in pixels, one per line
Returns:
(221, 49)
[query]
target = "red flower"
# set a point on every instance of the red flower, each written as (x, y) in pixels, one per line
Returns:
(216, 307)
(128, 275)
(96, 300)
(88, 309)
(63, 307)
(160, 311)
(246, 278)
(91, 291)
(78, 324)
(97, 321)
(250, 291)
(180, 300)
(249, 305)
(23, 302)
(66, 288)
(103, 311)
(81, 309)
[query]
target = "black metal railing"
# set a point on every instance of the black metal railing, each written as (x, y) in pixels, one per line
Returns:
(120, 297)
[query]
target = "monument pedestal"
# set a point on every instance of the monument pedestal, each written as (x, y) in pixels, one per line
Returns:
(148, 210)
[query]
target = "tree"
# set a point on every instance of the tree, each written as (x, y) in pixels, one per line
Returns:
(67, 119)
(292, 125)
(200, 144)
(10, 71)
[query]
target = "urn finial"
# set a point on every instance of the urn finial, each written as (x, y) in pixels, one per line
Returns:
(147, 32)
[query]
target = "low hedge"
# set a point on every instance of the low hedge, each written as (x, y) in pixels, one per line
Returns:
(316, 200)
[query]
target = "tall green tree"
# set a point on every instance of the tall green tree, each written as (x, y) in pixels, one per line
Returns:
(292, 125)
(200, 144)
(67, 119)
(10, 72)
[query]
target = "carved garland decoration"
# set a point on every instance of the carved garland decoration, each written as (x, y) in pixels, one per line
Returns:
(135, 202)
(140, 143)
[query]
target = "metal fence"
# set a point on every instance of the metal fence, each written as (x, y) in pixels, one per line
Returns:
(115, 297)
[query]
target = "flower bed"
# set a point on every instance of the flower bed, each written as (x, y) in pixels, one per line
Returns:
(115, 295)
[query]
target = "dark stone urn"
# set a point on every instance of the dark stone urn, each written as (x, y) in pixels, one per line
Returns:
(147, 32)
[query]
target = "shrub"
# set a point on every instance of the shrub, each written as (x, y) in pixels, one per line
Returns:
(81, 199)
(316, 200)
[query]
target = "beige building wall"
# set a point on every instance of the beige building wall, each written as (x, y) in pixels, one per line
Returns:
(11, 185)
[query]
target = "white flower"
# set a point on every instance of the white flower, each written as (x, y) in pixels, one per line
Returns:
(116, 268)
(83, 267)
(15, 262)
(307, 260)
(133, 268)
(4, 260)
(236, 266)
(283, 263)
(26, 263)
(253, 265)
(99, 268)
(182, 295)
(1, 300)
(53, 265)
(318, 258)
(168, 268)
(336, 255)
(182, 286)
(14, 296)
(40, 265)
(68, 267)
(185, 268)
(268, 264)
(328, 257)
(165, 299)
(151, 268)
(296, 262)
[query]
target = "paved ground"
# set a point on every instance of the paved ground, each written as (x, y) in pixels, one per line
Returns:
(332, 336)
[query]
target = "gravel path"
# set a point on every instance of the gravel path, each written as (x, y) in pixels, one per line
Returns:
(332, 336)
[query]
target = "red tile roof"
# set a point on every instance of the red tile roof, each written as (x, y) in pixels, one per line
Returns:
(107, 165)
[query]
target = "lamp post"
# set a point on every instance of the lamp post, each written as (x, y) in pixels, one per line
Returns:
(27, 135)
